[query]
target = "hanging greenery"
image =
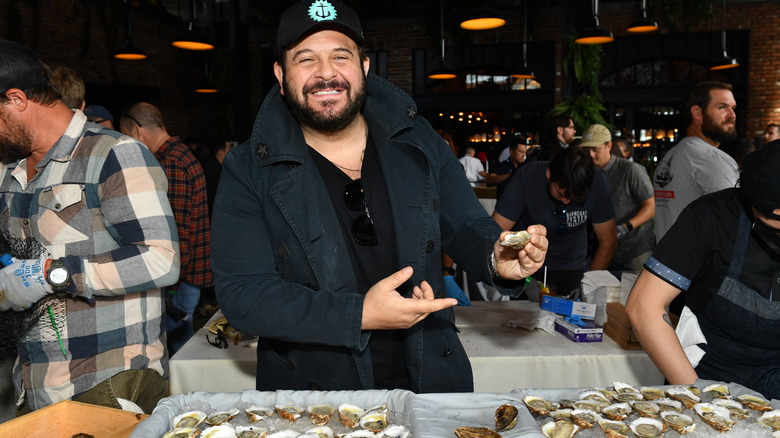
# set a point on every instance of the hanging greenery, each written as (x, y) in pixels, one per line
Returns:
(586, 108)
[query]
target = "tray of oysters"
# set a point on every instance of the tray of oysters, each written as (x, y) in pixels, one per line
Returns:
(707, 409)
(280, 414)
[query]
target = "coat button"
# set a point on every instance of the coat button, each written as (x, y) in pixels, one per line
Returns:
(261, 150)
(777, 280)
(58, 206)
(429, 246)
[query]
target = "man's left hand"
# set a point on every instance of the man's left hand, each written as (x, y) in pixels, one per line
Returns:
(23, 283)
(512, 264)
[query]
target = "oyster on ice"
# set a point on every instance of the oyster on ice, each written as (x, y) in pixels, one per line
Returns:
(320, 414)
(735, 408)
(585, 418)
(647, 427)
(189, 419)
(289, 413)
(516, 239)
(537, 405)
(561, 414)
(251, 432)
(221, 417)
(476, 432)
(219, 431)
(257, 413)
(717, 417)
(623, 387)
(717, 390)
(667, 404)
(684, 396)
(506, 417)
(613, 429)
(681, 423)
(628, 397)
(652, 393)
(617, 411)
(349, 415)
(321, 432)
(770, 419)
(374, 421)
(182, 432)
(395, 431)
(755, 403)
(559, 429)
(646, 408)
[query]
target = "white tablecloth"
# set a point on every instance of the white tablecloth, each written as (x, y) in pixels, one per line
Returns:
(503, 358)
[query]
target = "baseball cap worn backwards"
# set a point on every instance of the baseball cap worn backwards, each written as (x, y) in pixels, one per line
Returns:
(760, 179)
(308, 16)
(595, 135)
(20, 67)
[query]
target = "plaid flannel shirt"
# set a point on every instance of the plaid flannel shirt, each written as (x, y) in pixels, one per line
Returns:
(189, 201)
(97, 202)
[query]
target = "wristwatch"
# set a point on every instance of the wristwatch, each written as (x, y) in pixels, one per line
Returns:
(57, 275)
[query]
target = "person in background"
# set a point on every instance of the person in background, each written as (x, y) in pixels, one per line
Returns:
(189, 200)
(722, 251)
(212, 168)
(625, 149)
(100, 115)
(330, 223)
(505, 169)
(560, 132)
(472, 166)
(70, 86)
(695, 166)
(93, 239)
(563, 195)
(632, 196)
(772, 132)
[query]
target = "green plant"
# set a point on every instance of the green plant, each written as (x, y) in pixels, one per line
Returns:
(587, 107)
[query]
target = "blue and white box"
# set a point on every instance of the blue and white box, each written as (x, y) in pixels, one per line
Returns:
(565, 307)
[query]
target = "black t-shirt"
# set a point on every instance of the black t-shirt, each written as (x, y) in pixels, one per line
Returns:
(371, 263)
(695, 253)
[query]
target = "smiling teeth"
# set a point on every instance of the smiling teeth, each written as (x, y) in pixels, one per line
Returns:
(319, 93)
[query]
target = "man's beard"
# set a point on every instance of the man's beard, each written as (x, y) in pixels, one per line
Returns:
(717, 132)
(15, 142)
(328, 120)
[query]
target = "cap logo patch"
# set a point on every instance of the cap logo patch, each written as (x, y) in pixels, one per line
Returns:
(322, 10)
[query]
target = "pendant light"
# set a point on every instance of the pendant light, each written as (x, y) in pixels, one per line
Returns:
(205, 86)
(525, 72)
(725, 61)
(643, 24)
(483, 18)
(595, 34)
(192, 39)
(129, 52)
(442, 71)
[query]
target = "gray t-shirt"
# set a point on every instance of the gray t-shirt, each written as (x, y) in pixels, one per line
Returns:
(630, 185)
(689, 170)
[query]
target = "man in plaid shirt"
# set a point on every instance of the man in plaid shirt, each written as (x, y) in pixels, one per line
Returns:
(189, 201)
(84, 213)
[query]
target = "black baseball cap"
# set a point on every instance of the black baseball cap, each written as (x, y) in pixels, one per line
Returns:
(308, 16)
(20, 67)
(760, 179)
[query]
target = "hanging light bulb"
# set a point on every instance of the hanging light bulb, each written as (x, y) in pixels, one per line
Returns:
(205, 86)
(524, 72)
(483, 18)
(643, 24)
(724, 61)
(192, 39)
(129, 52)
(595, 34)
(442, 71)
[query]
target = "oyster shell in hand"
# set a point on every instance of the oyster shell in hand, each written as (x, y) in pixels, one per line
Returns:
(516, 239)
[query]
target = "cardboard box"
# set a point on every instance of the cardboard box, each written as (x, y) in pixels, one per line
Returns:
(566, 307)
(68, 418)
(618, 327)
(590, 332)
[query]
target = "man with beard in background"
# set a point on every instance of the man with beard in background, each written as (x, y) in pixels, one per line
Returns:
(86, 219)
(328, 225)
(696, 166)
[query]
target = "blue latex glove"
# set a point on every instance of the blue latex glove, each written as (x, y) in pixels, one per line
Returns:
(454, 291)
(23, 283)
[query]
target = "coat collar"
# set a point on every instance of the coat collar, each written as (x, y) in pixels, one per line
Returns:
(276, 134)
